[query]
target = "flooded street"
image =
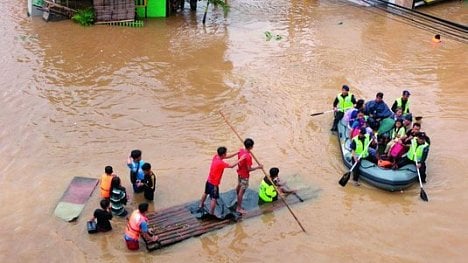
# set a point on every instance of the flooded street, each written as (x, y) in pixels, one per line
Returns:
(76, 99)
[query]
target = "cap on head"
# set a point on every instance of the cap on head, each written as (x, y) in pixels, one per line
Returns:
(406, 93)
(345, 87)
(421, 135)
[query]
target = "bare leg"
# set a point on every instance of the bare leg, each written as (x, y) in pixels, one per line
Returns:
(240, 195)
(212, 206)
(202, 201)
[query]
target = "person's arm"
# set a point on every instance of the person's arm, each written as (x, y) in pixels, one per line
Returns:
(109, 213)
(153, 182)
(335, 103)
(260, 166)
(94, 216)
(146, 234)
(394, 106)
(228, 156)
(236, 162)
(353, 99)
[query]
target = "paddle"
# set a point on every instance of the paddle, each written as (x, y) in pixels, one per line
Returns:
(422, 194)
(345, 178)
(263, 170)
(320, 113)
(298, 197)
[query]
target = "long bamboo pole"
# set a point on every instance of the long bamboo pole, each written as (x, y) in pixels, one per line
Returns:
(263, 170)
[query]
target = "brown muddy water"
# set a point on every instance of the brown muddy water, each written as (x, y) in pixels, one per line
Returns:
(76, 99)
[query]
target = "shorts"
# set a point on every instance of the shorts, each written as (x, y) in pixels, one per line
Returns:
(132, 244)
(212, 190)
(243, 183)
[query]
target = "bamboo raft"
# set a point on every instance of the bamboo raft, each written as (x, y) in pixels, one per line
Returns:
(184, 221)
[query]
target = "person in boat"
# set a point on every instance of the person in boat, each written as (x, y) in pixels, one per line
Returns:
(243, 172)
(351, 114)
(135, 163)
(343, 102)
(214, 177)
(398, 114)
(267, 192)
(377, 110)
(436, 39)
(417, 153)
(106, 179)
(149, 182)
(411, 134)
(402, 102)
(118, 198)
(360, 147)
(397, 133)
(103, 216)
(138, 225)
(359, 122)
(408, 122)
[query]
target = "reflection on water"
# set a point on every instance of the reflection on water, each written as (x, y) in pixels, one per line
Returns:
(76, 99)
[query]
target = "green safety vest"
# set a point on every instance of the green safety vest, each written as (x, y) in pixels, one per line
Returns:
(344, 104)
(360, 151)
(400, 104)
(416, 148)
(395, 132)
(266, 192)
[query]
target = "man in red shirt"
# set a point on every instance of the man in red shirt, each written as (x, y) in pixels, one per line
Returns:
(214, 178)
(243, 172)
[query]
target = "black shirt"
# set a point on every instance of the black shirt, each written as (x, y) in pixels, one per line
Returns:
(103, 224)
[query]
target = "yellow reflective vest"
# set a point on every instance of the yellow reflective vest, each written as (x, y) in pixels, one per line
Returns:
(360, 151)
(400, 104)
(344, 104)
(416, 148)
(266, 192)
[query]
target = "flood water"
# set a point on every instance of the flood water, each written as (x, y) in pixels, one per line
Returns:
(76, 99)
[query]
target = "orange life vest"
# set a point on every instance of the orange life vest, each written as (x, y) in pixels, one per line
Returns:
(133, 229)
(105, 185)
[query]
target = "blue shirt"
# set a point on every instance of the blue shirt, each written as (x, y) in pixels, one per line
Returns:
(133, 166)
(379, 110)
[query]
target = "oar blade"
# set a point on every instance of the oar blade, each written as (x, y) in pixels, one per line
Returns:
(318, 113)
(298, 197)
(423, 195)
(344, 179)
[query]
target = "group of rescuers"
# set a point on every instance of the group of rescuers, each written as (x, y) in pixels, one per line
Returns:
(404, 144)
(114, 195)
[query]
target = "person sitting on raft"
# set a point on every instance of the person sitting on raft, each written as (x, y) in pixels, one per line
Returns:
(359, 122)
(396, 134)
(351, 114)
(377, 110)
(267, 192)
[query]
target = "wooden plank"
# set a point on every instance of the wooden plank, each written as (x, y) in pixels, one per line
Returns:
(175, 224)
